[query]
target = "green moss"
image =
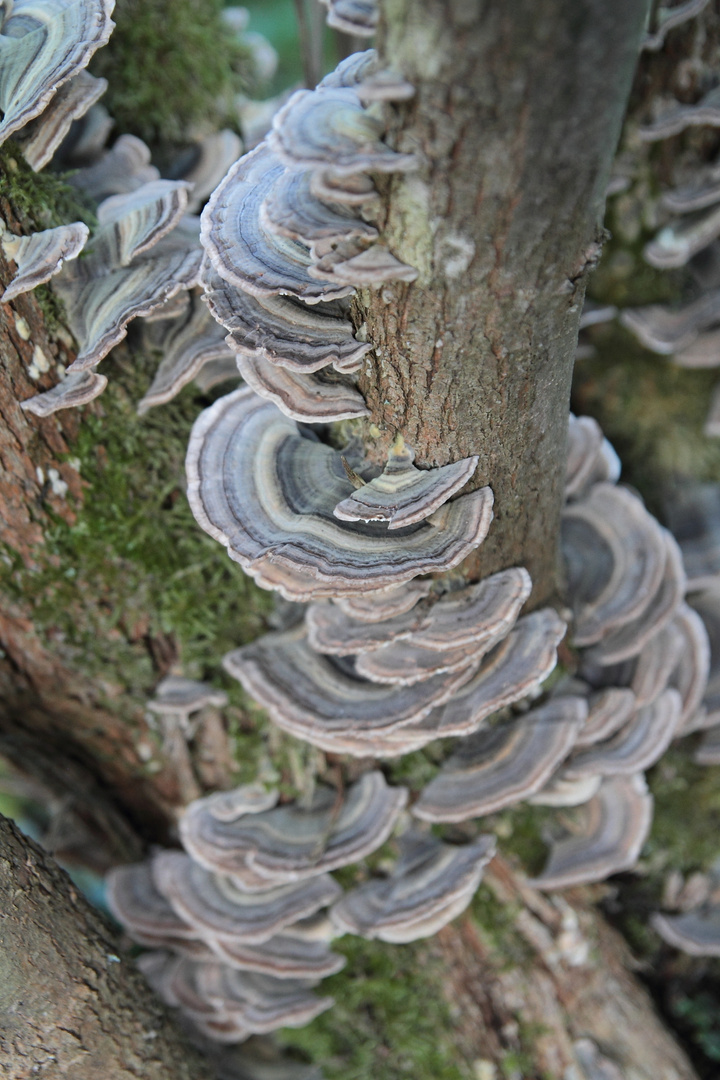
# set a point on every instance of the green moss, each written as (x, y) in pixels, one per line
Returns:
(42, 199)
(134, 570)
(387, 1021)
(171, 65)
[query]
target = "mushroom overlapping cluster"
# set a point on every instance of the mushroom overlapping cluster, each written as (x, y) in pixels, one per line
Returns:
(689, 334)
(240, 923)
(288, 236)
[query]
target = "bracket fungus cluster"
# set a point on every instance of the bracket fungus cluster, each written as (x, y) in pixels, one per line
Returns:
(240, 923)
(689, 333)
(288, 236)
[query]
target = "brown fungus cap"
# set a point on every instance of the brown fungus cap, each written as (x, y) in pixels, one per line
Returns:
(43, 44)
(257, 485)
(503, 765)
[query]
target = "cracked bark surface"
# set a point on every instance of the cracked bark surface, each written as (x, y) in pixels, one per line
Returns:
(70, 1004)
(516, 118)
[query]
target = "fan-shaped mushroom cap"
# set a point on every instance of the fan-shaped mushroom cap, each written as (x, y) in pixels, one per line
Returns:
(101, 298)
(701, 192)
(70, 393)
(647, 674)
(213, 155)
(430, 884)
(245, 254)
(475, 614)
(188, 344)
(352, 70)
(676, 244)
(563, 792)
(214, 907)
(403, 495)
(40, 255)
(617, 822)
(348, 262)
(283, 330)
(691, 672)
(283, 956)
(636, 746)
(136, 903)
(291, 209)
(247, 799)
(229, 1004)
(707, 605)
(404, 663)
(177, 696)
(665, 330)
(42, 45)
(313, 696)
(693, 515)
(615, 555)
(694, 932)
(289, 843)
(384, 86)
(609, 711)
(329, 128)
(41, 137)
(132, 223)
(667, 18)
(256, 485)
(514, 669)
(382, 604)
(679, 117)
(309, 398)
(630, 638)
(356, 17)
(124, 168)
(703, 353)
(355, 190)
(590, 457)
(216, 372)
(504, 764)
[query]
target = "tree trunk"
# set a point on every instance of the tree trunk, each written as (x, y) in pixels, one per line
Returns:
(70, 1005)
(516, 118)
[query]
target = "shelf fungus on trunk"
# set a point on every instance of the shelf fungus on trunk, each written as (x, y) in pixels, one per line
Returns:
(615, 824)
(291, 842)
(123, 168)
(680, 117)
(188, 341)
(141, 255)
(590, 457)
(43, 44)
(69, 393)
(267, 492)
(429, 885)
(694, 932)
(41, 255)
(504, 764)
(356, 17)
(41, 137)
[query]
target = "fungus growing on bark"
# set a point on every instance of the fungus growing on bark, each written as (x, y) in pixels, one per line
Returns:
(429, 885)
(120, 170)
(41, 137)
(402, 494)
(187, 343)
(177, 698)
(213, 905)
(257, 485)
(308, 398)
(616, 823)
(608, 711)
(212, 156)
(43, 45)
(694, 932)
(504, 764)
(668, 331)
(70, 393)
(590, 457)
(667, 18)
(680, 117)
(41, 255)
(292, 209)
(381, 604)
(283, 330)
(356, 17)
(676, 244)
(291, 842)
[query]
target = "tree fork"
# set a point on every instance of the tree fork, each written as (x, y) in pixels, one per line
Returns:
(515, 120)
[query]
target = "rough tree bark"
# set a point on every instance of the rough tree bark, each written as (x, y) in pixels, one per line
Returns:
(516, 118)
(70, 1005)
